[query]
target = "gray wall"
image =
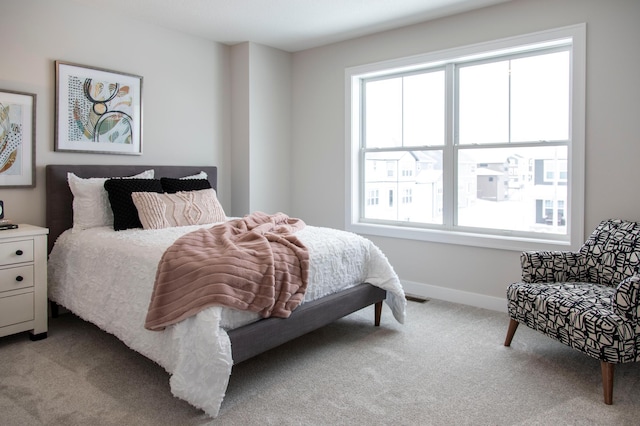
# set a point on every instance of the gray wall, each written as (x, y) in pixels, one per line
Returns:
(261, 142)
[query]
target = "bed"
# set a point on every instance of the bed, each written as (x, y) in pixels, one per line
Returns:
(116, 303)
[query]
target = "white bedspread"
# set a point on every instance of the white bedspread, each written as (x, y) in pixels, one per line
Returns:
(106, 277)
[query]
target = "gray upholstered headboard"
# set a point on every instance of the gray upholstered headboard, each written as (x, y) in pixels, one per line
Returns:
(59, 214)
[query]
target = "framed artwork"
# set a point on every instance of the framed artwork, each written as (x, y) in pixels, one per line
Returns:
(17, 139)
(97, 110)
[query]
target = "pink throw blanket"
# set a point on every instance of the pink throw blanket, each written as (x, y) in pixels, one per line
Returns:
(255, 263)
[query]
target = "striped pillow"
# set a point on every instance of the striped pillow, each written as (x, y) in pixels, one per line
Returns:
(162, 210)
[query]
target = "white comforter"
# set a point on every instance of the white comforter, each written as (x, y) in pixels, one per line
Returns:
(106, 277)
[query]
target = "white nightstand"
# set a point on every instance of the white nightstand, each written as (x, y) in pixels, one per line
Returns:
(23, 281)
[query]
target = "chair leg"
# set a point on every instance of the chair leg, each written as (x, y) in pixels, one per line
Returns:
(513, 326)
(607, 381)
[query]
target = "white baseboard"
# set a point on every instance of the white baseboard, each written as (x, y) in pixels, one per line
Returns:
(456, 296)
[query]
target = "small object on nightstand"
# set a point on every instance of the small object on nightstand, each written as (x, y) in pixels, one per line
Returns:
(7, 224)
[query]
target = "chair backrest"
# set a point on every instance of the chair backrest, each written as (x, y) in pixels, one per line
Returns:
(612, 252)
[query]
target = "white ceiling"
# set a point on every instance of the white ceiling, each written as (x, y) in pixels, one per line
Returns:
(290, 25)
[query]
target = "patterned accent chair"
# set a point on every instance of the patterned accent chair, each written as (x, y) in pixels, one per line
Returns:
(588, 300)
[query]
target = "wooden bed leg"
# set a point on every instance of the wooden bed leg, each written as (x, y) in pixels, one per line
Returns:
(607, 381)
(513, 326)
(378, 314)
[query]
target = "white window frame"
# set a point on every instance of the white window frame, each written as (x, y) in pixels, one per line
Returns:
(499, 239)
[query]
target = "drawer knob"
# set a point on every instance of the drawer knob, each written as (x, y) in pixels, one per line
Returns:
(19, 252)
(19, 278)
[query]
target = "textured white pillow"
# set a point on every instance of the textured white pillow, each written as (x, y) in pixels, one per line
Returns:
(201, 175)
(91, 206)
(162, 210)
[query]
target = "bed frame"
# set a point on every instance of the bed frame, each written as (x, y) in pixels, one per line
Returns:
(247, 341)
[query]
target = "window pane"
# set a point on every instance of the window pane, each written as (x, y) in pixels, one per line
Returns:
(424, 109)
(383, 113)
(519, 100)
(403, 186)
(540, 98)
(516, 189)
(484, 103)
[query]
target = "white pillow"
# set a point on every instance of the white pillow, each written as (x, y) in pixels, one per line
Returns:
(91, 206)
(201, 175)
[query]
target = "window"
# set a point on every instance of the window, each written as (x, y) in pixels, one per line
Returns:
(555, 171)
(391, 169)
(484, 144)
(372, 197)
(553, 213)
(407, 197)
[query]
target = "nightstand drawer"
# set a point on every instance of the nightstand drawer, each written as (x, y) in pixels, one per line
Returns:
(16, 252)
(16, 309)
(16, 278)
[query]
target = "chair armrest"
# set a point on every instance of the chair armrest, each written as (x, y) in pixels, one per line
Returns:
(552, 266)
(626, 299)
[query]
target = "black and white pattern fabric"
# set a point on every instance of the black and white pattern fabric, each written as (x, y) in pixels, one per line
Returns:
(589, 299)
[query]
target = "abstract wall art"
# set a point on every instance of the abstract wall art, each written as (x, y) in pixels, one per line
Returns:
(97, 110)
(17, 139)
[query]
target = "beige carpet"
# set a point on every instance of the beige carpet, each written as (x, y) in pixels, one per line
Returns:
(446, 366)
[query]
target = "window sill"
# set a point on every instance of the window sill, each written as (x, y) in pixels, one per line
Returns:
(501, 242)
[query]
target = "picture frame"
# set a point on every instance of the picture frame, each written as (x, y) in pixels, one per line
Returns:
(97, 110)
(17, 139)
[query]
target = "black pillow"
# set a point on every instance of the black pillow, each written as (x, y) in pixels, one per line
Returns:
(125, 214)
(172, 185)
